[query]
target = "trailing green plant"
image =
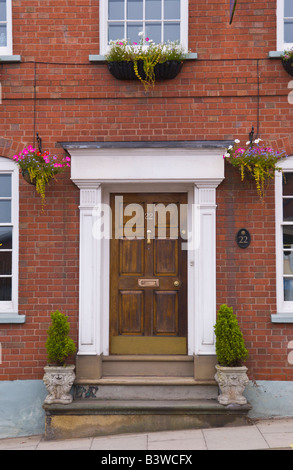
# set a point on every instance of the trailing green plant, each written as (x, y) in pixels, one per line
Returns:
(230, 346)
(255, 161)
(59, 346)
(146, 51)
(41, 168)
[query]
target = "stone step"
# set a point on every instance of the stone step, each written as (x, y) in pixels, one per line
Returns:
(150, 388)
(160, 366)
(89, 418)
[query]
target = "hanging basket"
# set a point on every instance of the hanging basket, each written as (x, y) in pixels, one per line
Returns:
(288, 66)
(125, 71)
(27, 178)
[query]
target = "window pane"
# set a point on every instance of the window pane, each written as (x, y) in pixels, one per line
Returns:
(172, 32)
(132, 31)
(134, 9)
(288, 184)
(288, 31)
(288, 289)
(116, 9)
(5, 238)
(288, 8)
(5, 288)
(172, 9)
(287, 209)
(153, 9)
(5, 262)
(115, 32)
(3, 36)
(153, 31)
(5, 211)
(2, 10)
(5, 185)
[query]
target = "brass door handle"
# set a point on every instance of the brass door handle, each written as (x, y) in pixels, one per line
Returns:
(176, 283)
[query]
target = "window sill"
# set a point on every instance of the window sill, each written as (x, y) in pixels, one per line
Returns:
(101, 58)
(282, 318)
(275, 54)
(12, 318)
(10, 58)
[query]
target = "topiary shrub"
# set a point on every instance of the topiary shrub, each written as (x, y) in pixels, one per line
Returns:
(230, 347)
(59, 346)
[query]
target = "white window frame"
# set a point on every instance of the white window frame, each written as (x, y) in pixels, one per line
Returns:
(7, 50)
(284, 308)
(9, 309)
(281, 44)
(104, 25)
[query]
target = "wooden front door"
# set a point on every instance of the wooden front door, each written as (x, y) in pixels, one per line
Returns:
(148, 291)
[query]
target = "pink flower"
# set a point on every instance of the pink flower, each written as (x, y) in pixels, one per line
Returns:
(147, 39)
(121, 43)
(135, 43)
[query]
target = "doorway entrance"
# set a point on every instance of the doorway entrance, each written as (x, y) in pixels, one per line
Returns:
(148, 273)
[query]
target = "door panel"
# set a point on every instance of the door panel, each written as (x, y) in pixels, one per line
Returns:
(148, 293)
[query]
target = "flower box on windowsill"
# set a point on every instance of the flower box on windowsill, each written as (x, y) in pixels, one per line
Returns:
(125, 70)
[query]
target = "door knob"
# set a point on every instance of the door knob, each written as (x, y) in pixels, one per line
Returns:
(176, 283)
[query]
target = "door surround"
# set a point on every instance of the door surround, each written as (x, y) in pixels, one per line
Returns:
(98, 172)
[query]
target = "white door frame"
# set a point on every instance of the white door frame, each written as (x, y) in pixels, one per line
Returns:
(98, 172)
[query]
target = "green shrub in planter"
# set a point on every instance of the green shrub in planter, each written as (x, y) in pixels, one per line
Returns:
(230, 347)
(59, 345)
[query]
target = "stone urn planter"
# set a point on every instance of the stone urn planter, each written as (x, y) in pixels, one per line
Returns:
(59, 376)
(232, 382)
(58, 381)
(231, 353)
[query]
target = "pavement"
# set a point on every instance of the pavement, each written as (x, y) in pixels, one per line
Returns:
(268, 434)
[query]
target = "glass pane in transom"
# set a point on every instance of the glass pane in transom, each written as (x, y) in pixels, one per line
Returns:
(288, 184)
(5, 185)
(287, 209)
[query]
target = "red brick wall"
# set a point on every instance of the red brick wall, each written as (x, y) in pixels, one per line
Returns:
(58, 93)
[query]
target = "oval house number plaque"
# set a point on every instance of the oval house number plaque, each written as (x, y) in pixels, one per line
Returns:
(243, 238)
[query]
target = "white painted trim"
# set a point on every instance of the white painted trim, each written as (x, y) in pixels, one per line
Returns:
(97, 172)
(281, 45)
(8, 49)
(104, 25)
(9, 309)
(284, 308)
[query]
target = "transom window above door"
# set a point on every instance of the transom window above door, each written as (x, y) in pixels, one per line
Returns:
(159, 20)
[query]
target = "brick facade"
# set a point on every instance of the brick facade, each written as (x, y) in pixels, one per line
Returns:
(57, 92)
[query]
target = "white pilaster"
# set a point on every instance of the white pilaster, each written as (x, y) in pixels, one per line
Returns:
(89, 272)
(205, 268)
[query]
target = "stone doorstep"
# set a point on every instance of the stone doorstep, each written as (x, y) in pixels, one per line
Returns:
(86, 418)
